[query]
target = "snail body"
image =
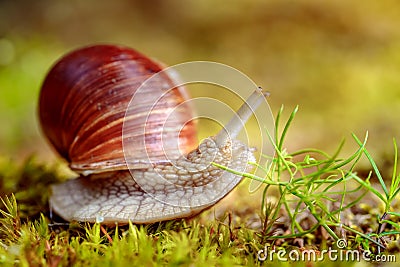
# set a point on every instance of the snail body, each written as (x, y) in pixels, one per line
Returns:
(83, 105)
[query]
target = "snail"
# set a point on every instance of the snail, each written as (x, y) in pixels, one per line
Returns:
(83, 109)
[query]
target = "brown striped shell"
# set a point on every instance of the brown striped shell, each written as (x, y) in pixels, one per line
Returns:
(84, 99)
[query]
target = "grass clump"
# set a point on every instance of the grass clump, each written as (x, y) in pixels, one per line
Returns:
(320, 200)
(311, 201)
(176, 243)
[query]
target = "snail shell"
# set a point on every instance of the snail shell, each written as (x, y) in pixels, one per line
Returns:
(83, 104)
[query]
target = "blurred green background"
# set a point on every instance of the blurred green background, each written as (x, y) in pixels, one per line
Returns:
(338, 60)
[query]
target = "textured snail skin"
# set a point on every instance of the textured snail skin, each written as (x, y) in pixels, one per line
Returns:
(166, 191)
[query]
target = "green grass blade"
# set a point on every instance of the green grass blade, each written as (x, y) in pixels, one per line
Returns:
(395, 182)
(374, 167)
(286, 128)
(394, 185)
(394, 213)
(394, 224)
(369, 187)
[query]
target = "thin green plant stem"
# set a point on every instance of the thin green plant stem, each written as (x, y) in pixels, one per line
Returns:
(395, 182)
(373, 164)
(282, 190)
(361, 234)
(394, 213)
(369, 187)
(249, 175)
(295, 223)
(309, 151)
(340, 165)
(394, 185)
(286, 128)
